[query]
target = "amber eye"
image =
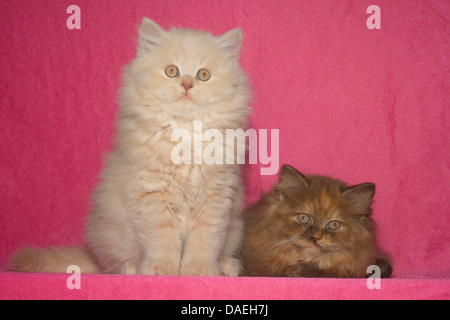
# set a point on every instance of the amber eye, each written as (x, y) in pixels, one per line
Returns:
(303, 218)
(333, 225)
(172, 71)
(203, 75)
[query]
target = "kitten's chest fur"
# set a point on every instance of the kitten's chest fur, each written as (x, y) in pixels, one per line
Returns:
(153, 171)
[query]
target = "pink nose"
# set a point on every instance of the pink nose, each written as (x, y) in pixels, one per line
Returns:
(187, 85)
(316, 237)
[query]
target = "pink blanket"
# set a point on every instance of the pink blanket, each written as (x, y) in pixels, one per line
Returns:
(349, 100)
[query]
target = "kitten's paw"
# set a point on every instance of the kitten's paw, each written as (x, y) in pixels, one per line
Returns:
(200, 268)
(158, 267)
(385, 266)
(230, 267)
(128, 268)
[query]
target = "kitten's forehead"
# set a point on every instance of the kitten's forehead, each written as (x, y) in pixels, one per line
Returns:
(190, 49)
(323, 204)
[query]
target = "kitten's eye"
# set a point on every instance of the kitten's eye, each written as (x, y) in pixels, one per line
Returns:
(303, 218)
(333, 225)
(172, 71)
(203, 75)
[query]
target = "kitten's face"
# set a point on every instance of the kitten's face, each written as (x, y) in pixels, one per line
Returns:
(191, 70)
(322, 217)
(185, 69)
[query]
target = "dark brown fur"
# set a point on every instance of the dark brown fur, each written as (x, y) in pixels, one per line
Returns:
(278, 244)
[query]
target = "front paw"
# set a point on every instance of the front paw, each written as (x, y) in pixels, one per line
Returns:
(230, 267)
(200, 268)
(158, 267)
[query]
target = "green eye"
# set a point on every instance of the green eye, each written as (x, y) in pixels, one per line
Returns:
(304, 219)
(172, 71)
(333, 225)
(203, 75)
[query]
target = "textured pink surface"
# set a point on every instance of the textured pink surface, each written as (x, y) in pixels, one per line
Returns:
(356, 104)
(53, 286)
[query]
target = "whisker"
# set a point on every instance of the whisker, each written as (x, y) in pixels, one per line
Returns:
(347, 254)
(334, 247)
(280, 243)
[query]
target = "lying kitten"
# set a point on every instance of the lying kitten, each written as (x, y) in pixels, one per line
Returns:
(150, 215)
(311, 226)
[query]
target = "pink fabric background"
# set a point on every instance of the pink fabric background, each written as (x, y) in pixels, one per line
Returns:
(357, 104)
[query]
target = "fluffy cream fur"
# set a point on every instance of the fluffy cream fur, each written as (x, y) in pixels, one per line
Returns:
(149, 215)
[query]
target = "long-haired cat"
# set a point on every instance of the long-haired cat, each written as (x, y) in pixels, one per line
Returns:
(151, 215)
(312, 226)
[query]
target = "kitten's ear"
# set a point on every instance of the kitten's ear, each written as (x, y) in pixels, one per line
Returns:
(231, 42)
(150, 36)
(362, 193)
(290, 178)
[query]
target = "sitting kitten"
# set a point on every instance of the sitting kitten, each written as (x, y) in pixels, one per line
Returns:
(311, 226)
(151, 215)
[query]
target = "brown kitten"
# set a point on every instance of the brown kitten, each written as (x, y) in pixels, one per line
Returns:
(312, 226)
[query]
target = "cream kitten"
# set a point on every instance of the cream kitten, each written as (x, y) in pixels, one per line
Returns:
(149, 215)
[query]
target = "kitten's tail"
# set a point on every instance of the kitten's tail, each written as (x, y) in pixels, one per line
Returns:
(53, 260)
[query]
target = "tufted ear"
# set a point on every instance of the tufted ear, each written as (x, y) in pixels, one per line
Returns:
(290, 178)
(231, 42)
(150, 36)
(362, 194)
